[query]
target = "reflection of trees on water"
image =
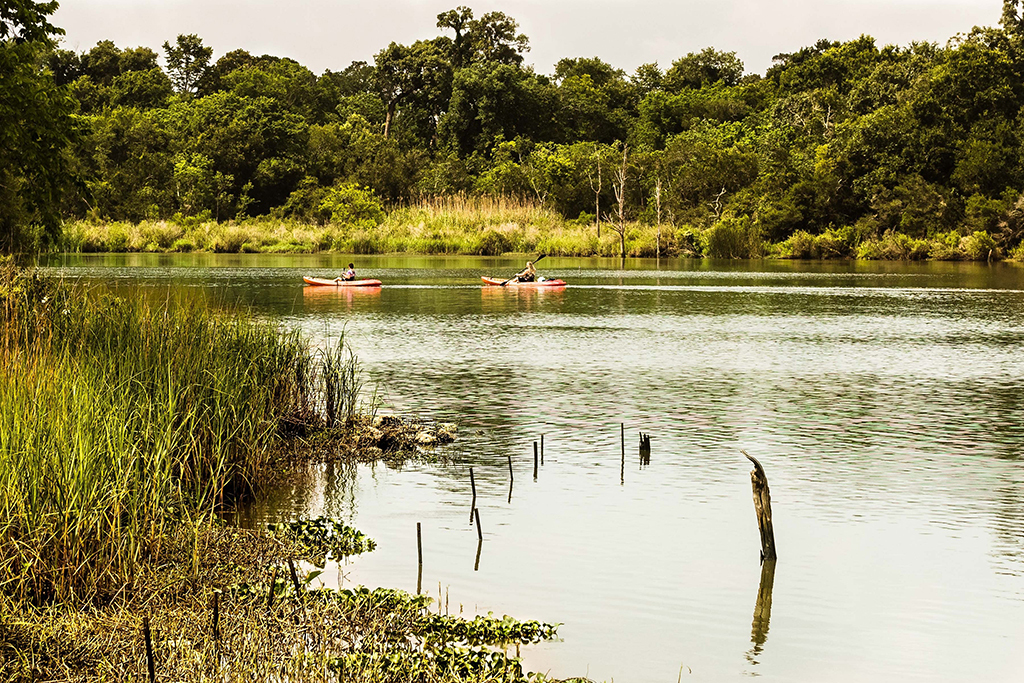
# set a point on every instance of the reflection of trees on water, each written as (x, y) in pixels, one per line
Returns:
(762, 612)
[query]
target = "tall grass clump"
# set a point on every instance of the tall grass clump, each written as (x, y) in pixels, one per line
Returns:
(122, 420)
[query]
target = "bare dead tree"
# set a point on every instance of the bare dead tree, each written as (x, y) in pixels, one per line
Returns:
(532, 175)
(619, 187)
(657, 205)
(596, 189)
(717, 204)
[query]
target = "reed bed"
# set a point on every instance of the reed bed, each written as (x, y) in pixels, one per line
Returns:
(492, 226)
(124, 421)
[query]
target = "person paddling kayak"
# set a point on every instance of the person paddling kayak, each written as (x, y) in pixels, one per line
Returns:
(349, 274)
(528, 274)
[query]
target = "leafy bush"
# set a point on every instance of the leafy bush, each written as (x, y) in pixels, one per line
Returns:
(979, 246)
(734, 237)
(354, 206)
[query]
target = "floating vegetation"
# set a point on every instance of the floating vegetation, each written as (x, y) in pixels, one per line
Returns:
(324, 538)
(237, 615)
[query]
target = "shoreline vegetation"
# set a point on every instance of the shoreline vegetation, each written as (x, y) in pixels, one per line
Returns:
(485, 226)
(129, 428)
(455, 144)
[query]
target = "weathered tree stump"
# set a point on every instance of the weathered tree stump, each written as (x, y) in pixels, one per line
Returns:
(763, 508)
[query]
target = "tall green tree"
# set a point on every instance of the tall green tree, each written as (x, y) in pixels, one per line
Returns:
(187, 61)
(35, 128)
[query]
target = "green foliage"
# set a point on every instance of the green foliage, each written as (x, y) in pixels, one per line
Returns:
(123, 419)
(707, 67)
(323, 538)
(35, 129)
(354, 206)
(733, 238)
(918, 140)
(187, 61)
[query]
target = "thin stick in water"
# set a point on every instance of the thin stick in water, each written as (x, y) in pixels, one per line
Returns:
(147, 635)
(472, 482)
(419, 556)
(622, 471)
(216, 616)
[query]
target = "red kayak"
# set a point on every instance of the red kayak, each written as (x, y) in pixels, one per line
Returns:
(341, 283)
(497, 282)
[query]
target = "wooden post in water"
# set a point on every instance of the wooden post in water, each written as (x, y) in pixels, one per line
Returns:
(645, 449)
(270, 593)
(511, 479)
(479, 530)
(541, 449)
(216, 616)
(472, 482)
(147, 635)
(622, 471)
(763, 508)
(536, 461)
(297, 587)
(419, 557)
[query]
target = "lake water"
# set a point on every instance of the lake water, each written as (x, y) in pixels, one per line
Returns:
(885, 402)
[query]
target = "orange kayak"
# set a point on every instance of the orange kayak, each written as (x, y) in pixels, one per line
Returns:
(497, 281)
(341, 283)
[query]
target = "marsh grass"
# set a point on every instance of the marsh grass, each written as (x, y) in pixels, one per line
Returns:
(488, 226)
(491, 226)
(312, 635)
(124, 421)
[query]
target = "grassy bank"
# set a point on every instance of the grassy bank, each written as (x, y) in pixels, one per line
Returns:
(126, 427)
(491, 227)
(120, 418)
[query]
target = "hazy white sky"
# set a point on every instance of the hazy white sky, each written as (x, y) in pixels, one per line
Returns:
(329, 34)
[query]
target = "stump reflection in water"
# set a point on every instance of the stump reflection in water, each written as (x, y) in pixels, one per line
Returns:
(762, 611)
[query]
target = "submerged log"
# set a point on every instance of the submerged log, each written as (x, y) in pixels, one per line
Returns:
(763, 508)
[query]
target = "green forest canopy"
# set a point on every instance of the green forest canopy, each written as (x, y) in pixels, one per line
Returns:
(921, 139)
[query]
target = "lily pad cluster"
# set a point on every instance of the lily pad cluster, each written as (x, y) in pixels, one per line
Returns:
(323, 538)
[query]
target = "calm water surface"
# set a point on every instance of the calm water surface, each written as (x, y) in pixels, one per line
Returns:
(884, 400)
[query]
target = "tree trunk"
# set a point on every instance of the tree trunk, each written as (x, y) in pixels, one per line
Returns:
(387, 119)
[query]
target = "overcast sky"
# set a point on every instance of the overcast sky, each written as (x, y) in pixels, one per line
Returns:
(329, 34)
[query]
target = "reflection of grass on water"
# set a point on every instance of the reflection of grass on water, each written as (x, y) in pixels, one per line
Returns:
(124, 427)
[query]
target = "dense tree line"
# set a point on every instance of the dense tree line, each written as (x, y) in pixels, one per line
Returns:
(919, 139)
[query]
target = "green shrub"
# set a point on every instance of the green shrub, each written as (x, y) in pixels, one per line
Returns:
(799, 245)
(352, 205)
(491, 242)
(183, 244)
(979, 246)
(734, 237)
